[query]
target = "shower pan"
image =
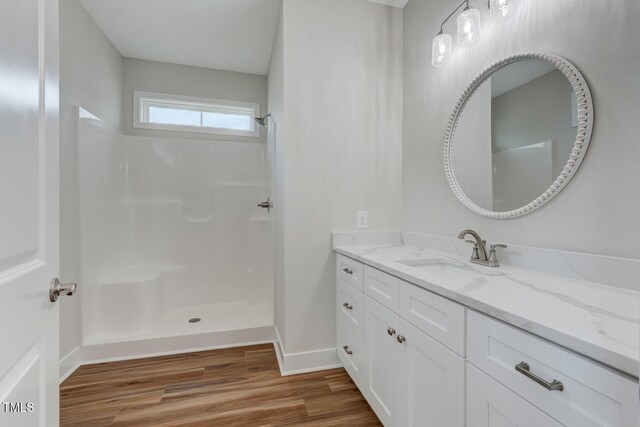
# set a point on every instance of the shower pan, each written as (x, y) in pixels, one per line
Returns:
(171, 232)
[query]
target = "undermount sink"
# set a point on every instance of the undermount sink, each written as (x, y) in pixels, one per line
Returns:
(450, 269)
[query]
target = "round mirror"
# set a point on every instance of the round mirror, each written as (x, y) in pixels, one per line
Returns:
(518, 134)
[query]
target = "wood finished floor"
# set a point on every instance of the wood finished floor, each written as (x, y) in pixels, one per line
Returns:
(239, 386)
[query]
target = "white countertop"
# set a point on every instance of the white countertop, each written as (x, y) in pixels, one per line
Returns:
(598, 321)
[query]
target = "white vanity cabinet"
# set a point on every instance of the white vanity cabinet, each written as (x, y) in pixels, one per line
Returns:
(566, 386)
(397, 354)
(423, 360)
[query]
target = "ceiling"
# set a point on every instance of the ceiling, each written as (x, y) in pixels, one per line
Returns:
(222, 34)
(394, 3)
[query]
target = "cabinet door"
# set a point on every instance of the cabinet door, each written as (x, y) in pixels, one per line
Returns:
(490, 404)
(431, 384)
(381, 355)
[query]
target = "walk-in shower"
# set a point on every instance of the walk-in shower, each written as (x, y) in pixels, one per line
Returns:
(170, 233)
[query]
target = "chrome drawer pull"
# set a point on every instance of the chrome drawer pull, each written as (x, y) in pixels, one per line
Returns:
(401, 339)
(346, 349)
(523, 368)
(391, 331)
(348, 271)
(347, 306)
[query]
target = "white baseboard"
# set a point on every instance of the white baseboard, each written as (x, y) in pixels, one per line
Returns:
(70, 363)
(289, 363)
(112, 352)
(277, 345)
(306, 361)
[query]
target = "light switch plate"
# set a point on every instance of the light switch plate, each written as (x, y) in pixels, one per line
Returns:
(363, 219)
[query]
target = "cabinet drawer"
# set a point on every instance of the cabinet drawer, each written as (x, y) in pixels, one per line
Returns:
(438, 317)
(349, 305)
(490, 404)
(350, 351)
(592, 395)
(382, 287)
(349, 270)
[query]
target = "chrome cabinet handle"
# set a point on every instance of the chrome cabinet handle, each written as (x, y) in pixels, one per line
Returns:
(346, 349)
(346, 270)
(56, 289)
(347, 306)
(391, 331)
(401, 339)
(523, 368)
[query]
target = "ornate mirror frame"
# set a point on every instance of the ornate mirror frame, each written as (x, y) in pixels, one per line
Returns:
(583, 135)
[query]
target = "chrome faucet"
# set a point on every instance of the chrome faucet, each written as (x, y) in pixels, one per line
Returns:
(479, 254)
(479, 248)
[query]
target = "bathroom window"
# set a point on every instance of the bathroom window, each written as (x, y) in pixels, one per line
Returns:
(191, 114)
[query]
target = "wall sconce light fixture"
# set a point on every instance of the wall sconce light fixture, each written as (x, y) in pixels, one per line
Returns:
(469, 30)
(468, 27)
(500, 9)
(441, 49)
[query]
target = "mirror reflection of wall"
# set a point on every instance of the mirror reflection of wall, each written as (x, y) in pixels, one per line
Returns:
(473, 150)
(515, 135)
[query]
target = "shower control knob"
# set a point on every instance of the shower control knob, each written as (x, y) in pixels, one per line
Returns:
(56, 289)
(266, 205)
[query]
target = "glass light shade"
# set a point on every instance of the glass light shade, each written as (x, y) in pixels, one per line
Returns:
(501, 9)
(441, 50)
(468, 28)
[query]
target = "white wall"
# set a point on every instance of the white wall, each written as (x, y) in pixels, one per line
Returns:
(598, 211)
(342, 153)
(91, 76)
(152, 76)
(276, 108)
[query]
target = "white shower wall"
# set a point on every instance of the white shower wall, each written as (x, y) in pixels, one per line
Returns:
(171, 231)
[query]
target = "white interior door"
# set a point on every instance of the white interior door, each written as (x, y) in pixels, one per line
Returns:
(28, 212)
